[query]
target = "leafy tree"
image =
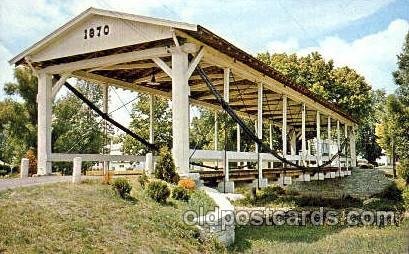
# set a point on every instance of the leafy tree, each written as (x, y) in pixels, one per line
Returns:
(162, 126)
(18, 119)
(395, 125)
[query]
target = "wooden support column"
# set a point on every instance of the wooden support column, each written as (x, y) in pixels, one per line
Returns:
(44, 104)
(180, 111)
(284, 127)
(105, 97)
(216, 131)
(260, 128)
(149, 156)
(318, 120)
(303, 139)
(352, 147)
(293, 142)
(226, 97)
(329, 138)
(346, 147)
(339, 144)
(238, 137)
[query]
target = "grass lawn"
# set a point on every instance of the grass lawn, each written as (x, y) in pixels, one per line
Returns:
(324, 239)
(91, 218)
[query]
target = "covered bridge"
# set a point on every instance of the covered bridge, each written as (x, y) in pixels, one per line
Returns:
(124, 50)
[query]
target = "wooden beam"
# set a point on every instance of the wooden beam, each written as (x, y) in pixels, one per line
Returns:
(165, 68)
(194, 63)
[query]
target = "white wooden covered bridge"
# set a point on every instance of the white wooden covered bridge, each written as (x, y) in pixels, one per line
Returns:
(124, 50)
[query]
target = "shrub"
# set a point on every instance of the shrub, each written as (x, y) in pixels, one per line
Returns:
(180, 193)
(143, 179)
(122, 186)
(403, 170)
(405, 197)
(158, 190)
(165, 168)
(4, 170)
(32, 165)
(188, 184)
(392, 192)
(270, 193)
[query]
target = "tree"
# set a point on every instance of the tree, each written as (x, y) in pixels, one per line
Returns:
(162, 126)
(18, 119)
(395, 123)
(76, 128)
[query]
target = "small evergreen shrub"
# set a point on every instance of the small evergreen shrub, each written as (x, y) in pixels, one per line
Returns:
(165, 168)
(403, 170)
(158, 190)
(188, 184)
(122, 186)
(107, 177)
(180, 193)
(143, 179)
(270, 193)
(32, 158)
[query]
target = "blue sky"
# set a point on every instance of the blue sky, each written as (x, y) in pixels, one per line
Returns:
(364, 34)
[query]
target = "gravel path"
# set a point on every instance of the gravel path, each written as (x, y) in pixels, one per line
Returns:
(31, 181)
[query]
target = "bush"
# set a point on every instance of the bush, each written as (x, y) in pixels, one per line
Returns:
(143, 179)
(122, 186)
(188, 184)
(165, 168)
(32, 165)
(405, 197)
(403, 170)
(270, 193)
(180, 193)
(4, 170)
(107, 177)
(158, 190)
(392, 192)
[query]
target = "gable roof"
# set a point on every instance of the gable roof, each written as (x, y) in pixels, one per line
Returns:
(94, 11)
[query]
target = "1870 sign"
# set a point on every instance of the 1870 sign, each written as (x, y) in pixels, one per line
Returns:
(98, 31)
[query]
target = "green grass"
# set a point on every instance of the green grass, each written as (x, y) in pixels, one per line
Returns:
(323, 239)
(91, 218)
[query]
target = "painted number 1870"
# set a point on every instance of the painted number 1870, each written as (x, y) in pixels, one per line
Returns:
(96, 32)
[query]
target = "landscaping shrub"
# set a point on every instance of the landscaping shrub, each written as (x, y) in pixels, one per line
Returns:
(180, 193)
(337, 203)
(405, 197)
(392, 192)
(122, 186)
(32, 165)
(4, 170)
(107, 178)
(165, 168)
(403, 170)
(158, 190)
(270, 193)
(143, 179)
(188, 184)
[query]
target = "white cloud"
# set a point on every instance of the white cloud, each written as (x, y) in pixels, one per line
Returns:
(6, 72)
(288, 46)
(373, 56)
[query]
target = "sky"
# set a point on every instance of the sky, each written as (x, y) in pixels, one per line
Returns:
(363, 34)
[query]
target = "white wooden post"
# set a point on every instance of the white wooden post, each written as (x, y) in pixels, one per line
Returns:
(180, 111)
(44, 101)
(303, 140)
(339, 144)
(346, 148)
(352, 147)
(216, 131)
(284, 127)
(76, 170)
(293, 143)
(238, 141)
(329, 128)
(105, 97)
(25, 163)
(271, 164)
(226, 89)
(260, 128)
(149, 156)
(318, 120)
